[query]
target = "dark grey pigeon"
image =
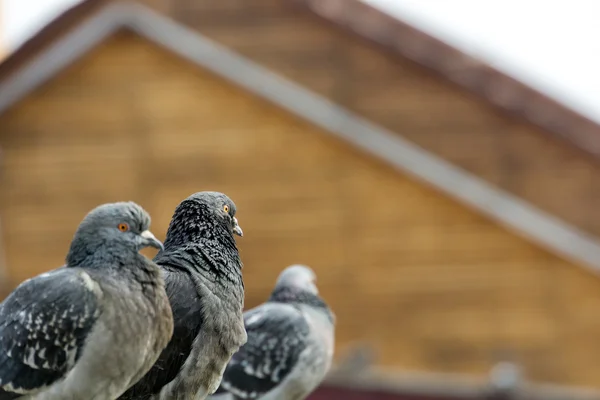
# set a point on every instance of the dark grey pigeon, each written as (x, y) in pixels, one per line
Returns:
(290, 343)
(90, 329)
(203, 275)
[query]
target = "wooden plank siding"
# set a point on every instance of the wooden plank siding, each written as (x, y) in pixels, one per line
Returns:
(429, 283)
(407, 99)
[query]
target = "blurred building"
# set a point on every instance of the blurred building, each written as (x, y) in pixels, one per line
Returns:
(448, 210)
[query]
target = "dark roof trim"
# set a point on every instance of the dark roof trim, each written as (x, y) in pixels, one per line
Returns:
(520, 217)
(474, 75)
(450, 386)
(55, 29)
(27, 73)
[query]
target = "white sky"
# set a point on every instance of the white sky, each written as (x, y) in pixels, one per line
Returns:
(553, 45)
(22, 18)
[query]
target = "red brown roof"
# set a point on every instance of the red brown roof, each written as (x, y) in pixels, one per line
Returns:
(469, 73)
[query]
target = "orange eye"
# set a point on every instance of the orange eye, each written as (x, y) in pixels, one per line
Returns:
(123, 227)
(226, 208)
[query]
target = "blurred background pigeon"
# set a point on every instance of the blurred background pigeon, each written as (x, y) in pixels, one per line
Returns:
(505, 382)
(93, 328)
(203, 275)
(290, 343)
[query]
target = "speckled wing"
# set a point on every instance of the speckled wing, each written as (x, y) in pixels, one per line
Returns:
(277, 335)
(43, 327)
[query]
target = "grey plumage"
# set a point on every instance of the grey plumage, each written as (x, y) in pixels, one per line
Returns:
(203, 275)
(505, 382)
(93, 327)
(290, 343)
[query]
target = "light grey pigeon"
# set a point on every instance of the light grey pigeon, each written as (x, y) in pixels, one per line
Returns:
(203, 275)
(290, 343)
(505, 382)
(92, 328)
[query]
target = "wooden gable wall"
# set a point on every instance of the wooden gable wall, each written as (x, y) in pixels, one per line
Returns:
(429, 283)
(405, 98)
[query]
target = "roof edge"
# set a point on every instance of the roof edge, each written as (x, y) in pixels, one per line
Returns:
(516, 215)
(26, 76)
(55, 28)
(476, 76)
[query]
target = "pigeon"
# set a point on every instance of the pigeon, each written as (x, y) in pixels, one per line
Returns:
(92, 328)
(290, 343)
(203, 275)
(505, 382)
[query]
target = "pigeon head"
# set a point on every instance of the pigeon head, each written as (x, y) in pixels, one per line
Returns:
(296, 285)
(204, 215)
(298, 277)
(114, 229)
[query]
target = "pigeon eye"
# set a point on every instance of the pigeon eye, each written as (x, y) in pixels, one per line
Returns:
(123, 227)
(226, 208)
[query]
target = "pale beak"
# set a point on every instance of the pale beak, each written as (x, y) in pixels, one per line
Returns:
(151, 240)
(236, 228)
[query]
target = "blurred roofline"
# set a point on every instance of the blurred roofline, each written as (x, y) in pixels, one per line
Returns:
(81, 28)
(402, 39)
(50, 32)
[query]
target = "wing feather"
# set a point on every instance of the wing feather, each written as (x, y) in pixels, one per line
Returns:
(44, 323)
(277, 335)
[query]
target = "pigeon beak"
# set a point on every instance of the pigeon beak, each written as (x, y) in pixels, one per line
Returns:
(151, 240)
(236, 228)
